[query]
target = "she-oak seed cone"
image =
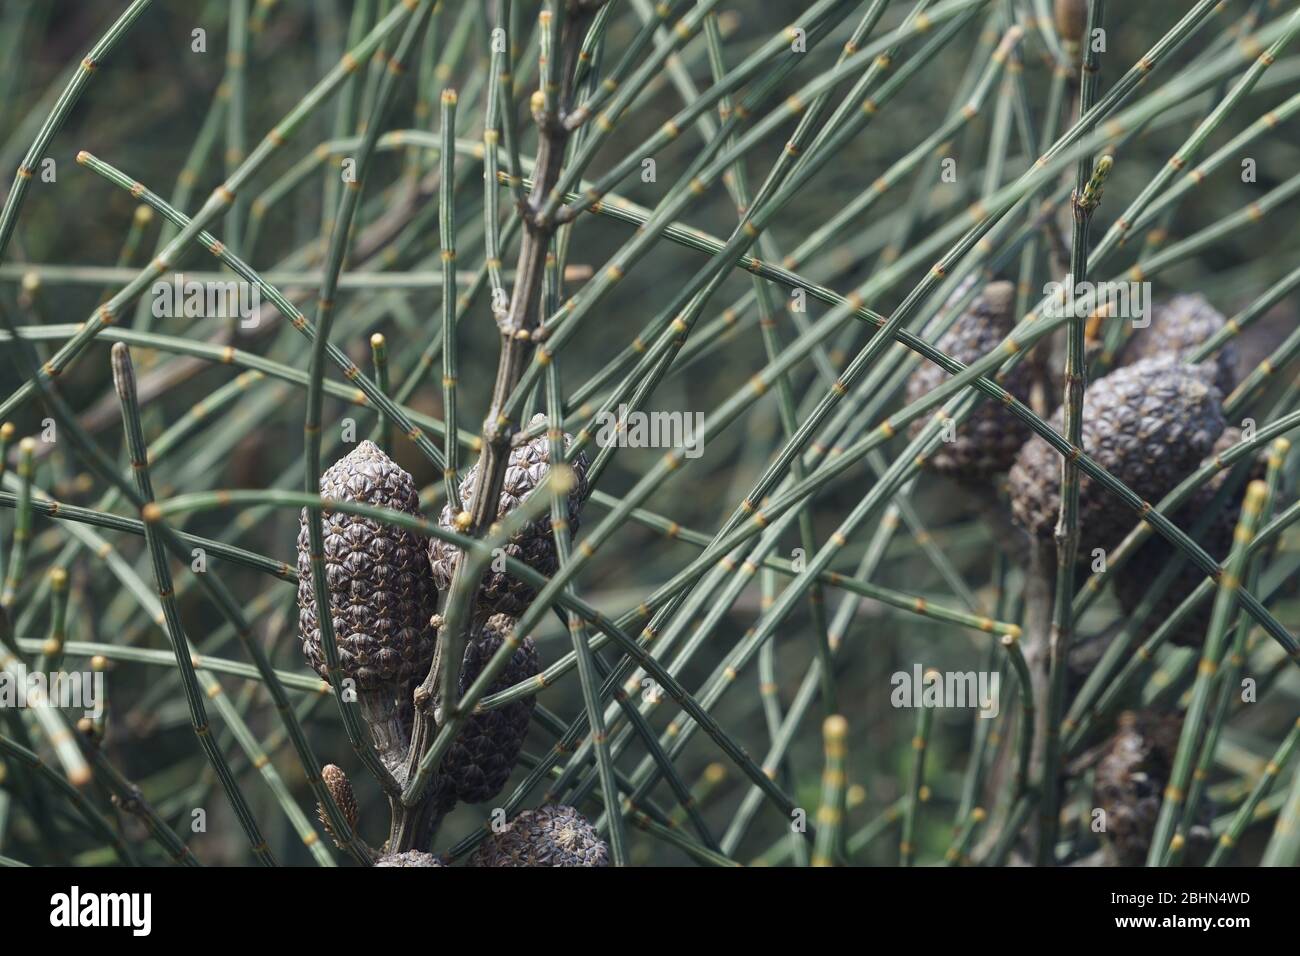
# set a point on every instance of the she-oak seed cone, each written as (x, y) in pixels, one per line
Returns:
(1177, 328)
(483, 755)
(987, 441)
(1132, 580)
(533, 544)
(1071, 19)
(381, 594)
(1130, 783)
(552, 835)
(1149, 425)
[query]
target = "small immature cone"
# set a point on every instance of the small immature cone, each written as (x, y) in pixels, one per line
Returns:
(340, 788)
(1071, 20)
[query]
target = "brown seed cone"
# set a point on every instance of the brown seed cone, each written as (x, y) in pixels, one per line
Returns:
(533, 544)
(381, 593)
(552, 835)
(1177, 328)
(1130, 783)
(483, 755)
(409, 858)
(987, 441)
(1071, 19)
(1148, 424)
(340, 788)
(1132, 580)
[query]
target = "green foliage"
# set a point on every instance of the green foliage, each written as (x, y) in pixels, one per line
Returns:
(442, 220)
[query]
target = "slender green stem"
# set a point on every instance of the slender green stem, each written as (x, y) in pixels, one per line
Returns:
(830, 815)
(1194, 723)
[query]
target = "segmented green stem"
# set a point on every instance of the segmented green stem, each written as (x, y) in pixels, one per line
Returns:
(917, 792)
(830, 815)
(447, 243)
(1225, 602)
(1087, 196)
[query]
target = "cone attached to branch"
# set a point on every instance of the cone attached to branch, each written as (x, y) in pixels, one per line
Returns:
(1178, 327)
(529, 462)
(1149, 425)
(483, 755)
(1132, 580)
(340, 788)
(1130, 783)
(381, 594)
(553, 835)
(987, 441)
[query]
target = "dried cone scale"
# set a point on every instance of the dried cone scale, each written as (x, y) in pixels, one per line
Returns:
(1130, 782)
(1149, 425)
(409, 858)
(1178, 327)
(381, 594)
(987, 441)
(552, 835)
(533, 544)
(483, 755)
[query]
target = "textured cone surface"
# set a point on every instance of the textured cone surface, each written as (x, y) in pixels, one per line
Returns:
(340, 788)
(548, 836)
(1132, 580)
(1130, 783)
(1149, 425)
(532, 544)
(483, 755)
(987, 441)
(381, 592)
(1177, 328)
(409, 858)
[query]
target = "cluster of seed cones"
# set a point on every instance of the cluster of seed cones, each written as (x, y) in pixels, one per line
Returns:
(1150, 423)
(384, 582)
